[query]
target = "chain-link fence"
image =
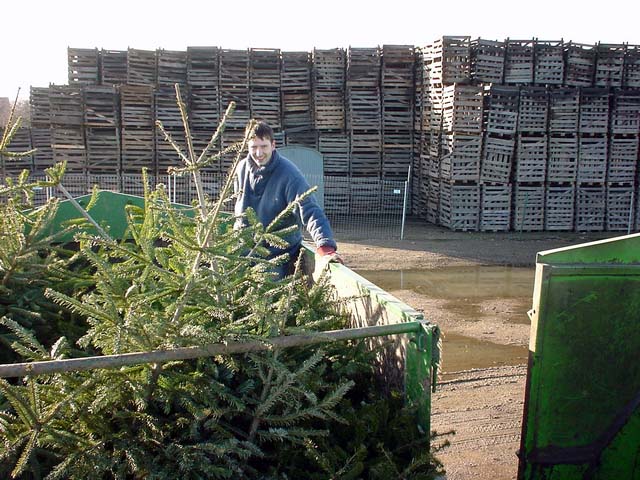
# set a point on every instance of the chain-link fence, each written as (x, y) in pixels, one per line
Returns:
(357, 207)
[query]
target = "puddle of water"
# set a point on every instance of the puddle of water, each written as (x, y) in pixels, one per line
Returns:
(470, 293)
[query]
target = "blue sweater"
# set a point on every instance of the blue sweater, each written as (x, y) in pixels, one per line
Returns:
(270, 189)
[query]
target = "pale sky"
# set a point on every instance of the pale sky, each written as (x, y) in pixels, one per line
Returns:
(36, 33)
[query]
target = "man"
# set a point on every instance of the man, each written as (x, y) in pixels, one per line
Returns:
(268, 182)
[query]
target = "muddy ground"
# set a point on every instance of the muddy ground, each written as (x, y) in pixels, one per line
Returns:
(483, 406)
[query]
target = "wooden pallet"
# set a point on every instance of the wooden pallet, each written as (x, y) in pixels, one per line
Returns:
(335, 150)
(66, 109)
(364, 68)
(40, 107)
(495, 208)
(564, 110)
(549, 62)
(113, 67)
(580, 64)
(203, 67)
(83, 66)
(264, 68)
(622, 165)
(103, 150)
(590, 208)
(502, 109)
(101, 106)
(462, 108)
(497, 159)
(594, 110)
(487, 60)
(172, 67)
(592, 159)
(609, 65)
(528, 207)
(142, 67)
(620, 208)
(519, 62)
(531, 158)
(625, 114)
(295, 74)
(559, 207)
(459, 206)
(563, 158)
(631, 74)
(136, 106)
(533, 111)
(460, 157)
(449, 60)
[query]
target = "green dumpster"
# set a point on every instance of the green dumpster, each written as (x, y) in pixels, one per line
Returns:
(582, 400)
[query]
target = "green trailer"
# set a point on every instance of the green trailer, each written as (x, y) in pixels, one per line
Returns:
(582, 399)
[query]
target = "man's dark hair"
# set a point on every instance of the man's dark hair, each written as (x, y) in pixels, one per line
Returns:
(262, 131)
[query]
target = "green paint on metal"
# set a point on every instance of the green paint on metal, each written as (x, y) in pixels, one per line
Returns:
(582, 414)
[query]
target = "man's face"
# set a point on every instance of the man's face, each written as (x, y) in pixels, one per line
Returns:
(261, 150)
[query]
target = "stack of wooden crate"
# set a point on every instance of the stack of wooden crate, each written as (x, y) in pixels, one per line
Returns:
(102, 129)
(66, 110)
(397, 84)
(20, 143)
(40, 128)
(328, 84)
(265, 89)
(167, 113)
(234, 87)
(137, 132)
(295, 84)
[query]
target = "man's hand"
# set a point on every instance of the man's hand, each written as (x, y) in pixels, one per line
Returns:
(329, 254)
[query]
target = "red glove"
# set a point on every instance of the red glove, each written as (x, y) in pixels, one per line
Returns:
(330, 251)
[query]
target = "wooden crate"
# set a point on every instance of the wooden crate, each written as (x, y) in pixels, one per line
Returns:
(365, 196)
(306, 138)
(101, 106)
(531, 158)
(265, 104)
(501, 109)
(40, 106)
(519, 62)
(234, 85)
(166, 107)
(594, 110)
(397, 108)
(487, 60)
(397, 153)
(564, 110)
(497, 159)
(449, 60)
(533, 111)
(631, 73)
(113, 67)
(328, 109)
(365, 154)
(625, 115)
(559, 207)
(137, 150)
(337, 195)
(622, 165)
(264, 68)
(620, 208)
(495, 208)
(590, 208)
(363, 109)
(172, 67)
(142, 67)
(528, 207)
(68, 145)
(83, 66)
(580, 64)
(549, 62)
(231, 137)
(459, 206)
(364, 68)
(103, 150)
(432, 209)
(335, 150)
(204, 108)
(165, 155)
(203, 67)
(20, 143)
(136, 106)
(296, 109)
(563, 158)
(296, 72)
(398, 64)
(609, 65)
(460, 158)
(462, 108)
(328, 68)
(66, 108)
(41, 141)
(592, 159)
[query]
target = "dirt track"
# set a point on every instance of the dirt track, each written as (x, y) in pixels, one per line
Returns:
(483, 406)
